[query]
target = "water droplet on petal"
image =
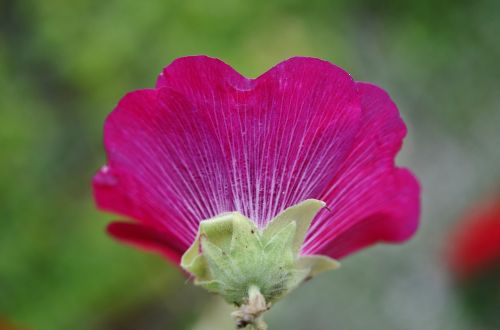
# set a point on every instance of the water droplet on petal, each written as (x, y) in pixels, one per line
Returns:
(105, 178)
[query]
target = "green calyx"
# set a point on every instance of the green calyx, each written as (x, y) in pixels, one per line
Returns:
(232, 257)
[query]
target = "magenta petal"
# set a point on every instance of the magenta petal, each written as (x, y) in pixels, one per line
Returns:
(393, 223)
(145, 238)
(370, 200)
(284, 134)
(165, 167)
(208, 140)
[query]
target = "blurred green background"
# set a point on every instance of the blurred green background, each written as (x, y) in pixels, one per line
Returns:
(65, 64)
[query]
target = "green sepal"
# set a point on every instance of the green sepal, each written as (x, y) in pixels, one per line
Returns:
(317, 264)
(219, 231)
(302, 214)
(230, 254)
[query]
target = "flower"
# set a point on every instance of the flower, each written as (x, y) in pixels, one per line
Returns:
(473, 255)
(207, 141)
(474, 245)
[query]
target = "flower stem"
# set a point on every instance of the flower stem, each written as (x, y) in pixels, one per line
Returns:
(250, 314)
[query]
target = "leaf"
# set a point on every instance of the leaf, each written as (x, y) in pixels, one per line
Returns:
(189, 257)
(279, 245)
(297, 277)
(219, 231)
(218, 261)
(230, 254)
(246, 247)
(199, 269)
(317, 264)
(212, 286)
(302, 214)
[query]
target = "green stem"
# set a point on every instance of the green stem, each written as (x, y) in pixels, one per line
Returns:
(254, 293)
(250, 314)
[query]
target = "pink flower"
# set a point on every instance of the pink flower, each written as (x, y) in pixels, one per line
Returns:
(473, 258)
(207, 140)
(474, 245)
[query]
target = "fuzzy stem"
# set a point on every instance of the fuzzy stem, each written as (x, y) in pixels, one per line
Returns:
(250, 314)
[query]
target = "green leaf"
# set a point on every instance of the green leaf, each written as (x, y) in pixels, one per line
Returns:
(245, 237)
(246, 247)
(302, 214)
(317, 264)
(230, 254)
(279, 245)
(218, 261)
(211, 286)
(219, 231)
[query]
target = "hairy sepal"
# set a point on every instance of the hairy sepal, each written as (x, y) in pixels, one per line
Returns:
(230, 254)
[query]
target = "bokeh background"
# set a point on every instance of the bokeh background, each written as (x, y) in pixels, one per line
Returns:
(65, 64)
